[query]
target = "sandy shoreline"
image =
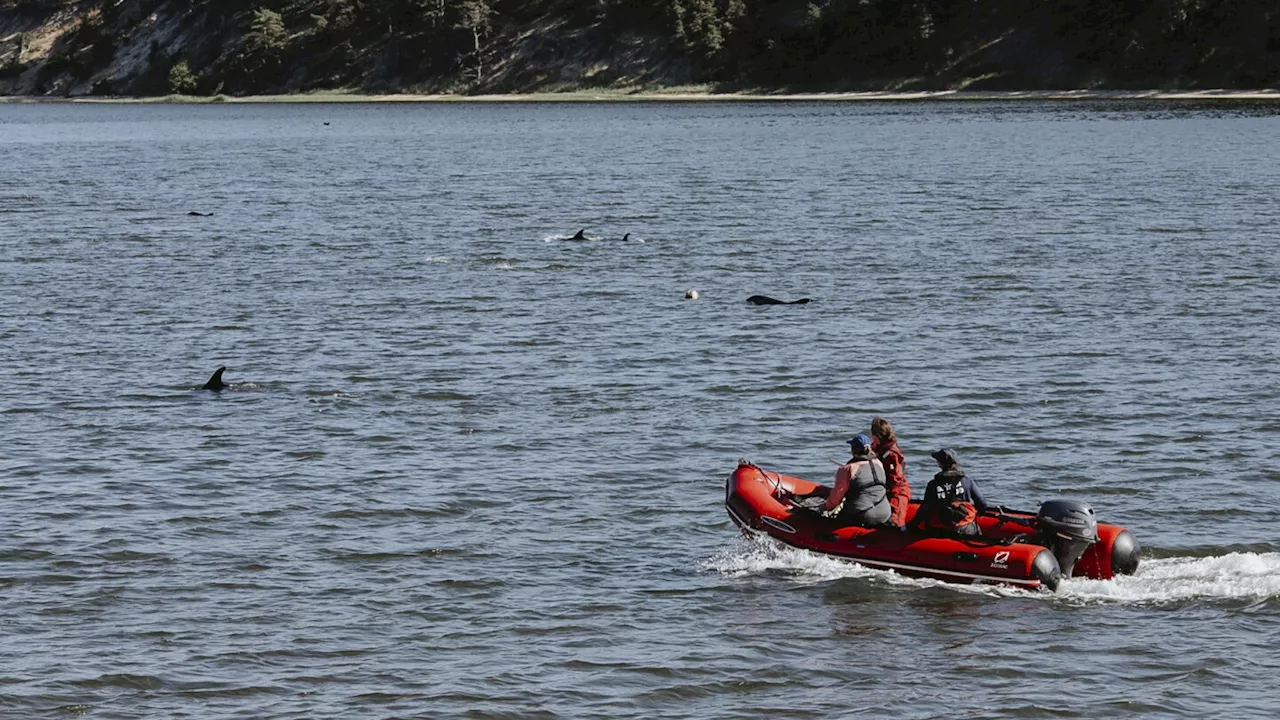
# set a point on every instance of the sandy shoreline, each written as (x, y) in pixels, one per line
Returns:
(678, 95)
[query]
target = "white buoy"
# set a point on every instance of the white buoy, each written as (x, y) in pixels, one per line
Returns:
(691, 295)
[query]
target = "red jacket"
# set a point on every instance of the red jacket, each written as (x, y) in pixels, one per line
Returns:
(895, 467)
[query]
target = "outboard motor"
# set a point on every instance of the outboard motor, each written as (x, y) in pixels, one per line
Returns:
(1068, 528)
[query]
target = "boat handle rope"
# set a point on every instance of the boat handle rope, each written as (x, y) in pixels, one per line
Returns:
(777, 481)
(777, 477)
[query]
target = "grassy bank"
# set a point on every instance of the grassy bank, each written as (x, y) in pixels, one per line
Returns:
(692, 94)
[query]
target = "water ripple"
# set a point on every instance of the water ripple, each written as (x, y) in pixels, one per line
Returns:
(468, 468)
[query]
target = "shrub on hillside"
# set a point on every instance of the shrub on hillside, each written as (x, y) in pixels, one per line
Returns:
(181, 80)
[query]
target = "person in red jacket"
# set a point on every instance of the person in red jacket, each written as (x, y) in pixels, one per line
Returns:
(884, 445)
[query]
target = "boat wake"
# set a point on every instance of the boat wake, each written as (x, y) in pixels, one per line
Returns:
(1234, 576)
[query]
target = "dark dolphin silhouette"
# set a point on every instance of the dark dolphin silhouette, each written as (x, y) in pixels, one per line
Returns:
(766, 300)
(215, 381)
(626, 237)
(582, 235)
(193, 213)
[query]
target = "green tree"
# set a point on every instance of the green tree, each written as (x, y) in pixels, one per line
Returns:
(261, 57)
(267, 35)
(703, 26)
(181, 80)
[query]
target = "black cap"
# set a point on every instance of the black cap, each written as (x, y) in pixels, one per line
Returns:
(945, 457)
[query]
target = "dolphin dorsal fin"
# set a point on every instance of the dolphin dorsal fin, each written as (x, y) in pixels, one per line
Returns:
(582, 235)
(215, 380)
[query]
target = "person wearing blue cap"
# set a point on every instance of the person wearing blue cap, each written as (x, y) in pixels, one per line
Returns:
(952, 501)
(859, 495)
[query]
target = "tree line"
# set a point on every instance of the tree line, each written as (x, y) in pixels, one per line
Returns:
(253, 46)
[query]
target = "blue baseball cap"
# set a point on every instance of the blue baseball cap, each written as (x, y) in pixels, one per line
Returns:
(860, 441)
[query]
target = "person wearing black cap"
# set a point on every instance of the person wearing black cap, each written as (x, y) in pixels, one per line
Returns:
(858, 496)
(951, 501)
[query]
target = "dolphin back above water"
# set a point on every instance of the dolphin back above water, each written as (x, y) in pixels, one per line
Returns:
(215, 381)
(766, 300)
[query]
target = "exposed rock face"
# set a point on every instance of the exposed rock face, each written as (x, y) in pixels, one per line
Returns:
(156, 47)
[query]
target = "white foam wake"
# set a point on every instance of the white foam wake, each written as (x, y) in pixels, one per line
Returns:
(1233, 576)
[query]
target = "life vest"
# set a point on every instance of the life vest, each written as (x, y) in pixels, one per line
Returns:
(877, 478)
(950, 504)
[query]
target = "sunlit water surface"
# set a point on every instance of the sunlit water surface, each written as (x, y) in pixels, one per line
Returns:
(469, 468)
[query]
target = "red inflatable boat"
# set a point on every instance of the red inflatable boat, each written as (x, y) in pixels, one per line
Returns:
(1030, 550)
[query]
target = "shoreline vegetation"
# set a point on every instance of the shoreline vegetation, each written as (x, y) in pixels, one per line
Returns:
(637, 50)
(684, 95)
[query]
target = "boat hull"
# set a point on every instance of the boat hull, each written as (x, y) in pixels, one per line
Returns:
(1005, 553)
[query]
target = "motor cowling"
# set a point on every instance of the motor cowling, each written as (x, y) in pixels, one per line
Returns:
(1068, 528)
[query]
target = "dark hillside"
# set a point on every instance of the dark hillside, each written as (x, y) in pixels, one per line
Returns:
(155, 47)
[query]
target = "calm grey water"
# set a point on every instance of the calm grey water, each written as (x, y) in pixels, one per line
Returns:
(469, 468)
